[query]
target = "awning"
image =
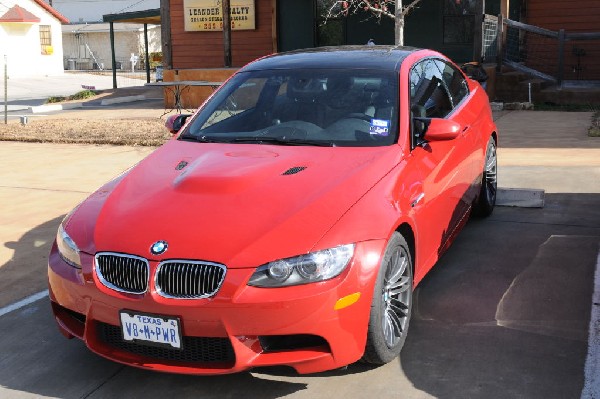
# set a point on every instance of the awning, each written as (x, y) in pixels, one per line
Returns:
(138, 17)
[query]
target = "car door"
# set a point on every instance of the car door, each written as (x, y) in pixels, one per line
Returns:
(468, 116)
(441, 165)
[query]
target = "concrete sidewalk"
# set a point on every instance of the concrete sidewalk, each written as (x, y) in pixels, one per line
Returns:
(31, 91)
(548, 150)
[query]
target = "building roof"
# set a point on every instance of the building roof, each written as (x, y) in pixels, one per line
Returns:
(52, 11)
(102, 28)
(140, 17)
(19, 14)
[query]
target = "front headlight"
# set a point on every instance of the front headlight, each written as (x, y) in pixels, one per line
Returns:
(67, 248)
(303, 269)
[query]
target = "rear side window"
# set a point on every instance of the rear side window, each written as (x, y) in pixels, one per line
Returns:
(454, 81)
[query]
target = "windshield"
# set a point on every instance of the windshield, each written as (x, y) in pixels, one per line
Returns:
(326, 107)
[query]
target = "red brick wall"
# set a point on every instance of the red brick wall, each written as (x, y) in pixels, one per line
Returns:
(205, 49)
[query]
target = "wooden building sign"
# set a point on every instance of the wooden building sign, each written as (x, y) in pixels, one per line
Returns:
(205, 15)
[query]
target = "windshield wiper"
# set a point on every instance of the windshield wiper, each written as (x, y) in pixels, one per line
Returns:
(280, 141)
(203, 139)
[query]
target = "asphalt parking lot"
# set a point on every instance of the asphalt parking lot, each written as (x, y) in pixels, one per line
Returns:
(504, 314)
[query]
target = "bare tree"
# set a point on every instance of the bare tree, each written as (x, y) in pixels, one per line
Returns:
(377, 8)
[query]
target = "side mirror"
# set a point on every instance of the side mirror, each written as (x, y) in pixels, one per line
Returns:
(475, 71)
(437, 129)
(174, 123)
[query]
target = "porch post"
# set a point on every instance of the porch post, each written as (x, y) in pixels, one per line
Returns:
(147, 55)
(226, 33)
(112, 52)
(499, 43)
(561, 57)
(165, 33)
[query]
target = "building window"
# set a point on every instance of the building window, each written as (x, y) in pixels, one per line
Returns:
(459, 21)
(46, 39)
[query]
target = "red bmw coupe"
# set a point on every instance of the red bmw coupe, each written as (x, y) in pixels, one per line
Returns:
(287, 221)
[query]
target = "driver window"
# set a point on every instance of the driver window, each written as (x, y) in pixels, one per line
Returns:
(429, 96)
(429, 91)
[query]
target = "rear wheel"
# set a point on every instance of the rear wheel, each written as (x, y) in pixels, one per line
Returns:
(391, 305)
(487, 196)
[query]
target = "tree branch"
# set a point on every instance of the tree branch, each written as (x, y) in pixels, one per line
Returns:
(408, 8)
(378, 11)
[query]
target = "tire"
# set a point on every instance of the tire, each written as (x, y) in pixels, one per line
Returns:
(489, 185)
(391, 305)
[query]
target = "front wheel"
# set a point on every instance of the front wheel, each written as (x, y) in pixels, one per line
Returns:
(487, 195)
(391, 305)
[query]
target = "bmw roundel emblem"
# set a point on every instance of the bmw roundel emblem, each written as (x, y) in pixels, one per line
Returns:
(159, 248)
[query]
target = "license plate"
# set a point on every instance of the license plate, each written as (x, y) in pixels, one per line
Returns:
(154, 329)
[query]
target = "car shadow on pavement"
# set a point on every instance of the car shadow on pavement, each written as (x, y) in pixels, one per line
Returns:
(26, 272)
(505, 313)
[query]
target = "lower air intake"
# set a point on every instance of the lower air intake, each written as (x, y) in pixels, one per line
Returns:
(194, 349)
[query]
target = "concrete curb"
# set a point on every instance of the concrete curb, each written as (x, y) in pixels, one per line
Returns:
(61, 107)
(12, 108)
(118, 100)
(523, 198)
(54, 107)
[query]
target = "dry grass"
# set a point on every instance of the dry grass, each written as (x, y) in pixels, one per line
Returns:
(137, 132)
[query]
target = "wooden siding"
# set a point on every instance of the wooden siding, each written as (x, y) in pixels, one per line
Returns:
(205, 49)
(573, 17)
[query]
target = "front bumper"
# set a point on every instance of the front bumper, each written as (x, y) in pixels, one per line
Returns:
(312, 327)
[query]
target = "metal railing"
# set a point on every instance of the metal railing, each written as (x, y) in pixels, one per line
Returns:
(544, 53)
(490, 36)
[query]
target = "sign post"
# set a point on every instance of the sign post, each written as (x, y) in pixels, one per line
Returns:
(5, 89)
(226, 33)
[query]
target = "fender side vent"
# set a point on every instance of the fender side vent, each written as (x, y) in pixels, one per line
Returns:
(294, 170)
(181, 165)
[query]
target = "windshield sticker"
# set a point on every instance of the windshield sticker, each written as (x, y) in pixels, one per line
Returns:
(379, 127)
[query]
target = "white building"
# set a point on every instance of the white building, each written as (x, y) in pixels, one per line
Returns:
(31, 38)
(87, 46)
(79, 11)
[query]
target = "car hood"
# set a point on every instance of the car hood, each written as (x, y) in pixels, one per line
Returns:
(237, 204)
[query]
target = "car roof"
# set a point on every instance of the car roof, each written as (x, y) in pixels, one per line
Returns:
(343, 57)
